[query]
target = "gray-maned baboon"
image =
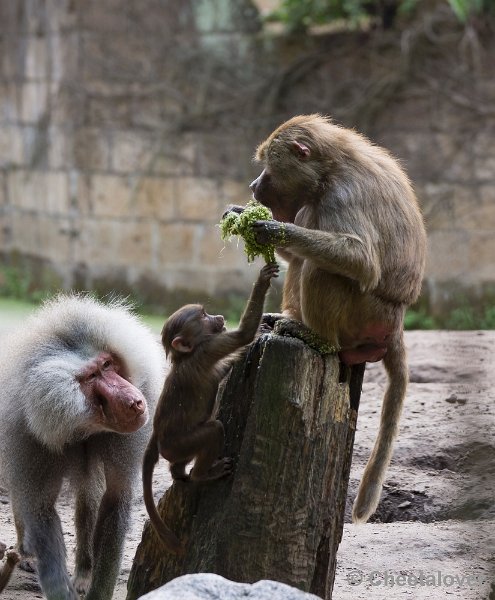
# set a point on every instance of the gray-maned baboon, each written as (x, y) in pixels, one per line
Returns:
(348, 223)
(12, 559)
(184, 426)
(76, 385)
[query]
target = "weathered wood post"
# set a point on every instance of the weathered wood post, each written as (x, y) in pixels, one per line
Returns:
(290, 415)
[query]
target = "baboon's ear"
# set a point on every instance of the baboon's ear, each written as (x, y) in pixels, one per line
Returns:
(180, 344)
(300, 149)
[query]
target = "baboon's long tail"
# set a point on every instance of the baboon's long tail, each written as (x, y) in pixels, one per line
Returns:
(371, 484)
(167, 537)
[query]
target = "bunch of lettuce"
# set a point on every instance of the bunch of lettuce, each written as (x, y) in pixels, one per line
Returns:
(240, 225)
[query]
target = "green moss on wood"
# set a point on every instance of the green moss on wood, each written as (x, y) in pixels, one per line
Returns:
(290, 328)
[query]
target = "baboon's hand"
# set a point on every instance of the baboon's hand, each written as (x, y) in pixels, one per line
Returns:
(267, 272)
(233, 208)
(13, 557)
(269, 319)
(269, 232)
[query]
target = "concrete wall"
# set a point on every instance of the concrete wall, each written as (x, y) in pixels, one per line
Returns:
(127, 126)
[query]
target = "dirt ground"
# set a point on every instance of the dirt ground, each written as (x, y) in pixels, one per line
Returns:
(434, 534)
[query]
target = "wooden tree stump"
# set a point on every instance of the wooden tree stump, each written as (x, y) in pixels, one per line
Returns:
(290, 415)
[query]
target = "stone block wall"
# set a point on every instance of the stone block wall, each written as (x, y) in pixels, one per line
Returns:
(452, 166)
(126, 126)
(99, 189)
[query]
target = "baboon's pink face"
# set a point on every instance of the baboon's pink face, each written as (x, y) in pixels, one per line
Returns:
(117, 405)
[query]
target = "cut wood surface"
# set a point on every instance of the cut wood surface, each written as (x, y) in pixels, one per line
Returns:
(290, 415)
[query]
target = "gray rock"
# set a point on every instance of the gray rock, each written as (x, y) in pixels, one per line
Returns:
(208, 586)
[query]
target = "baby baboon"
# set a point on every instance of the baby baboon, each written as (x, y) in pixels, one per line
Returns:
(12, 559)
(348, 223)
(75, 386)
(184, 426)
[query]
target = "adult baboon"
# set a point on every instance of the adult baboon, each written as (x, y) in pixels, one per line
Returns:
(76, 384)
(348, 223)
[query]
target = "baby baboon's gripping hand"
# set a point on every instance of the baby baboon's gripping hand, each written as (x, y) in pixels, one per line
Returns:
(266, 275)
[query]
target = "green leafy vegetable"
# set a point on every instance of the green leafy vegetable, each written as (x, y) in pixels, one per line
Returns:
(234, 224)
